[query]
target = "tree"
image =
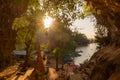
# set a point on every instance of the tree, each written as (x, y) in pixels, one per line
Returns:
(26, 38)
(101, 36)
(9, 10)
(80, 38)
(65, 10)
(61, 41)
(54, 10)
(28, 28)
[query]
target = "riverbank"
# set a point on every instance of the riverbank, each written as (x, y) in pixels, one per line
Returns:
(63, 73)
(87, 52)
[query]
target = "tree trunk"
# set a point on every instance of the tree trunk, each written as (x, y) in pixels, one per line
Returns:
(62, 61)
(56, 63)
(9, 10)
(26, 60)
(39, 71)
(7, 40)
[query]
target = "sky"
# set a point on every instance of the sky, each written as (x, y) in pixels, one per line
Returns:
(85, 26)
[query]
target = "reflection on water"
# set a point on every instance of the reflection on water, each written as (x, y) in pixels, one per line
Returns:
(88, 51)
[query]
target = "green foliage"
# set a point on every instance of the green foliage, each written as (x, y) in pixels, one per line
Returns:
(25, 32)
(80, 38)
(25, 26)
(61, 41)
(57, 52)
(28, 27)
(9, 10)
(65, 10)
(87, 11)
(44, 47)
(102, 41)
(102, 36)
(84, 64)
(20, 23)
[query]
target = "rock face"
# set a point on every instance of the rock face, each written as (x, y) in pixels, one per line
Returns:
(105, 64)
(108, 14)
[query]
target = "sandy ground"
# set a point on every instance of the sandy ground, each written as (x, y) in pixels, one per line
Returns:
(9, 70)
(61, 74)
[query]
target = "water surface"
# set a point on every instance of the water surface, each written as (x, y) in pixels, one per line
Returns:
(88, 51)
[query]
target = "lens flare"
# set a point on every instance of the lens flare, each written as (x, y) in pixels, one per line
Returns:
(47, 21)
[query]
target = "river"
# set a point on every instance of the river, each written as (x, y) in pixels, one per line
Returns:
(87, 52)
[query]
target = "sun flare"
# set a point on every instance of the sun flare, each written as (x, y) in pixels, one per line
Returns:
(47, 21)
